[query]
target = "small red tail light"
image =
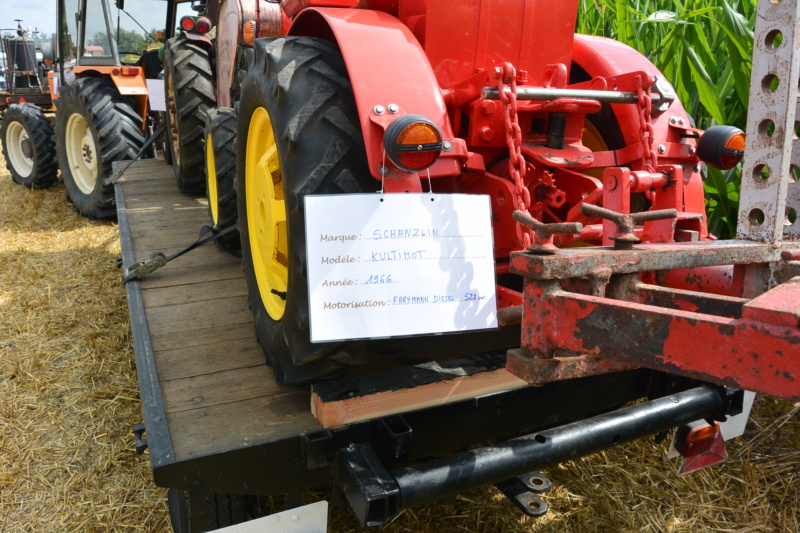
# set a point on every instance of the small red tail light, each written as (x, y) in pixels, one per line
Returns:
(130, 71)
(721, 146)
(203, 25)
(187, 23)
(413, 143)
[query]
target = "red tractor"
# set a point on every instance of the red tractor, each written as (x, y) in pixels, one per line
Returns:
(579, 141)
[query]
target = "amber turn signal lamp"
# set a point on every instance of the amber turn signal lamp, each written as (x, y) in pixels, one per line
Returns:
(249, 32)
(697, 440)
(412, 142)
(721, 146)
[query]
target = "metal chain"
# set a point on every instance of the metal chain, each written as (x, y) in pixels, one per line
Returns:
(646, 134)
(516, 163)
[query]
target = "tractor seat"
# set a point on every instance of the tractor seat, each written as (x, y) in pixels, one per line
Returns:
(151, 64)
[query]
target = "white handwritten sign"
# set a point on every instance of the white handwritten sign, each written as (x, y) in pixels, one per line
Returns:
(399, 264)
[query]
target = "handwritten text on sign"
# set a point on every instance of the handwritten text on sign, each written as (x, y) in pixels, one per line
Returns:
(399, 264)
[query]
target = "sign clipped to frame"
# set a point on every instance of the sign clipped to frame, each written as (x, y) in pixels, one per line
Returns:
(399, 264)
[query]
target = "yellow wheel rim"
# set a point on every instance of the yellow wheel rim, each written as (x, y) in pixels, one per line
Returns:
(592, 140)
(266, 214)
(211, 173)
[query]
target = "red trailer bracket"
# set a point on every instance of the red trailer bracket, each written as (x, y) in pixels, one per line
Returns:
(746, 343)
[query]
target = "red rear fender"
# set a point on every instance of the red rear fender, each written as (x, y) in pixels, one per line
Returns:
(387, 66)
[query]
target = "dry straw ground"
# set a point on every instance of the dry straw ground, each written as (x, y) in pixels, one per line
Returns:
(68, 400)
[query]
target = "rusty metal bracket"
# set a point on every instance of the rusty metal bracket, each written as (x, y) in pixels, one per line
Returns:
(543, 233)
(624, 238)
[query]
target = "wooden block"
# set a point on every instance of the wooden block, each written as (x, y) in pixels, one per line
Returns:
(335, 403)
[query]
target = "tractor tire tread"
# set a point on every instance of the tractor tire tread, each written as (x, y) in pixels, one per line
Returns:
(189, 68)
(221, 125)
(304, 84)
(117, 134)
(40, 132)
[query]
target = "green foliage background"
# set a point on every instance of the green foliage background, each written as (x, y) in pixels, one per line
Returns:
(704, 47)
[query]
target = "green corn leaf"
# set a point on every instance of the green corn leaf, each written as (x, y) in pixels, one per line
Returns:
(707, 92)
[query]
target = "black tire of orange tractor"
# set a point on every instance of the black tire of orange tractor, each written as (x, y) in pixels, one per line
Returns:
(116, 130)
(208, 512)
(190, 95)
(303, 84)
(40, 148)
(220, 128)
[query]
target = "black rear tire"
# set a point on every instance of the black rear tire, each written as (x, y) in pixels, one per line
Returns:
(196, 513)
(112, 133)
(220, 137)
(28, 146)
(190, 95)
(302, 84)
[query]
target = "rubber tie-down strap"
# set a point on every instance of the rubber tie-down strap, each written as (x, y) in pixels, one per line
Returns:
(118, 174)
(142, 268)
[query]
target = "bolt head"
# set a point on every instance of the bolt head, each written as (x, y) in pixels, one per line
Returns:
(379, 110)
(692, 150)
(393, 108)
(488, 107)
(662, 149)
(383, 170)
(447, 146)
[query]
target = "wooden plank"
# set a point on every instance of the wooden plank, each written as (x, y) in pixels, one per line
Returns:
(161, 194)
(189, 227)
(200, 432)
(169, 340)
(224, 354)
(183, 271)
(160, 238)
(136, 190)
(200, 315)
(217, 390)
(197, 214)
(205, 390)
(351, 400)
(195, 292)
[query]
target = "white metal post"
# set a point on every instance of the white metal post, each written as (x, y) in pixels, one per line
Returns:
(770, 194)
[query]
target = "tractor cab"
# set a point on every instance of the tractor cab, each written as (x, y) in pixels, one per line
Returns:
(85, 42)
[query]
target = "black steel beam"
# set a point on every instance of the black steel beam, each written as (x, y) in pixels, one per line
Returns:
(492, 464)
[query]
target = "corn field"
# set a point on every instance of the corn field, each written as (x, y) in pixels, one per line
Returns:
(704, 47)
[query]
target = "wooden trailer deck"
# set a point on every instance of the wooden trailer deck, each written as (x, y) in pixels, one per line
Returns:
(217, 392)
(217, 422)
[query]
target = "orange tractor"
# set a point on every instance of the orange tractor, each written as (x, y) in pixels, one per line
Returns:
(101, 110)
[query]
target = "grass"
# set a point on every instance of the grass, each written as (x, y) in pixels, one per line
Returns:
(704, 47)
